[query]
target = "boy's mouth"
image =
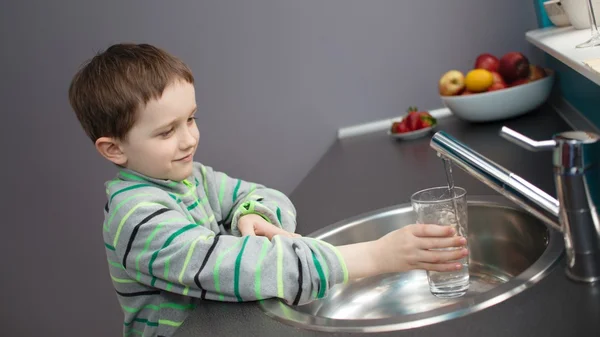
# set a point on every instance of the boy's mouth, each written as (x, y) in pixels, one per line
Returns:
(186, 158)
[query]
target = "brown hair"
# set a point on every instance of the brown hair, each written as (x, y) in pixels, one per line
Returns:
(109, 89)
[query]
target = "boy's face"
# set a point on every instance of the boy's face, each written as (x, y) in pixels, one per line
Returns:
(164, 138)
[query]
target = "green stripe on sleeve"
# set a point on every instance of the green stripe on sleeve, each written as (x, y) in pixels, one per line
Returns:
(323, 283)
(165, 245)
(218, 265)
(146, 246)
(149, 240)
(168, 264)
(236, 278)
(258, 272)
(122, 280)
(339, 256)
(235, 190)
(169, 322)
(154, 307)
(279, 266)
(149, 323)
(116, 210)
(187, 261)
(316, 248)
(116, 264)
(279, 215)
(112, 182)
(143, 203)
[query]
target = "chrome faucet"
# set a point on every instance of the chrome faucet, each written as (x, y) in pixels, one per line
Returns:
(576, 159)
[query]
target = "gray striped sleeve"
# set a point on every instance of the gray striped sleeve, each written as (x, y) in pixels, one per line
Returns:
(236, 197)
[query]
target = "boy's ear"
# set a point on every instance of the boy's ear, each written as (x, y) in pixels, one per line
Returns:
(110, 149)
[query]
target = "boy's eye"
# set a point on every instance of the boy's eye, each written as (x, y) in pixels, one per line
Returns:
(191, 119)
(166, 133)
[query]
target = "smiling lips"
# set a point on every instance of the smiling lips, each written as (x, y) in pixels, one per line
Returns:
(186, 158)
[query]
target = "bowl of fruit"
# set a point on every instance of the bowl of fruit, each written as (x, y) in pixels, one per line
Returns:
(415, 124)
(496, 89)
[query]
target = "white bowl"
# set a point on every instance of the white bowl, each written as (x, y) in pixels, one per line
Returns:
(577, 12)
(501, 104)
(556, 13)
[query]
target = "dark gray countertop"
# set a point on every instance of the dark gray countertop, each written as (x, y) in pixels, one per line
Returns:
(373, 171)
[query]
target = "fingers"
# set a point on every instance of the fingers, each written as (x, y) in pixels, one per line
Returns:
(247, 231)
(270, 231)
(422, 230)
(444, 242)
(246, 228)
(255, 225)
(441, 256)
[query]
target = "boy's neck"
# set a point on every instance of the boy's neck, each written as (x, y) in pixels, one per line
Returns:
(175, 186)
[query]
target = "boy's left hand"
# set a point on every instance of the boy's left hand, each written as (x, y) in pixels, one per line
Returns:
(255, 225)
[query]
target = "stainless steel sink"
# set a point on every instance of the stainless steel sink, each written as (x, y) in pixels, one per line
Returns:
(510, 251)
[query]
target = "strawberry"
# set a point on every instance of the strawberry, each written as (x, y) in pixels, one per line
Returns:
(399, 127)
(426, 120)
(403, 128)
(412, 119)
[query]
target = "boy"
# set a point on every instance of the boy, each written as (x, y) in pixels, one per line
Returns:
(178, 232)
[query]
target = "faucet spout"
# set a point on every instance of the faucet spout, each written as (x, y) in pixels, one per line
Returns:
(515, 188)
(576, 165)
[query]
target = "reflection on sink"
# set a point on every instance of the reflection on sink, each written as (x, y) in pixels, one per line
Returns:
(510, 251)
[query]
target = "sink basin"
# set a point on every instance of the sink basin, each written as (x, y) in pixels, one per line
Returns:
(510, 251)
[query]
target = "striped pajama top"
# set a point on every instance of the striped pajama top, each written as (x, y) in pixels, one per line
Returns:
(171, 245)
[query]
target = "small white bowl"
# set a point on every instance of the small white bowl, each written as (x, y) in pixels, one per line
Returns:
(501, 104)
(556, 13)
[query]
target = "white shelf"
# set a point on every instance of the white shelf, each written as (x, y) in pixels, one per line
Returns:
(560, 42)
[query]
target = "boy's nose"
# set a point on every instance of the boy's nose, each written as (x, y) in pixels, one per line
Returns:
(187, 140)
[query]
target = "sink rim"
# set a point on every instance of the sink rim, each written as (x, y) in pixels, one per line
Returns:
(276, 309)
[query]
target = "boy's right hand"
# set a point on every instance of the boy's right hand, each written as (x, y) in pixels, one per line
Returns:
(410, 247)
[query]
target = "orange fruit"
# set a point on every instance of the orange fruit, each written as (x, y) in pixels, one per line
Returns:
(479, 80)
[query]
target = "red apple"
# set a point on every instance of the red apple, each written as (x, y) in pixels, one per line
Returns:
(498, 82)
(451, 83)
(497, 86)
(497, 78)
(519, 82)
(467, 92)
(513, 66)
(487, 62)
(536, 72)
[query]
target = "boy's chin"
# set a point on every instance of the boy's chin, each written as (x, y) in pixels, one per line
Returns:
(180, 175)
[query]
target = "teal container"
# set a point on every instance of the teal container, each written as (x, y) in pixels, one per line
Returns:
(540, 13)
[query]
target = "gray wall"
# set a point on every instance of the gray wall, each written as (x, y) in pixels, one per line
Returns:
(275, 79)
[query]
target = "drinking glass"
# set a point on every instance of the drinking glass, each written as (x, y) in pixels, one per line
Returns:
(442, 206)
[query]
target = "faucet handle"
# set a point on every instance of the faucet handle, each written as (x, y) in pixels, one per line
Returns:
(526, 142)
